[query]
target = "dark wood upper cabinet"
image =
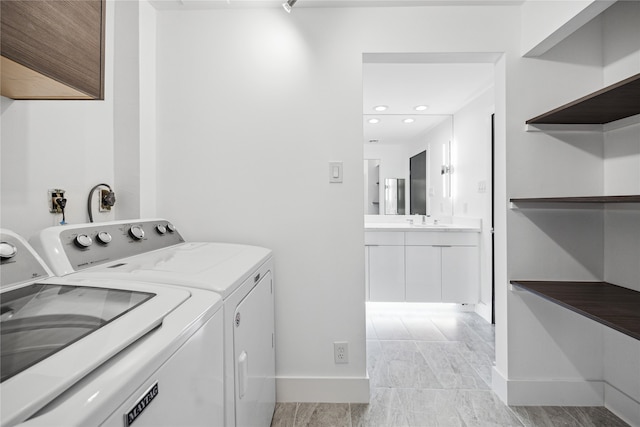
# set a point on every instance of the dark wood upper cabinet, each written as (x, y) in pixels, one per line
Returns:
(52, 49)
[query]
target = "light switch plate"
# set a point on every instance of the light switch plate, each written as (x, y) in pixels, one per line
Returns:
(335, 171)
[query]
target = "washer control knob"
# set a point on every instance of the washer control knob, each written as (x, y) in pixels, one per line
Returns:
(83, 241)
(7, 250)
(171, 227)
(103, 237)
(161, 229)
(136, 232)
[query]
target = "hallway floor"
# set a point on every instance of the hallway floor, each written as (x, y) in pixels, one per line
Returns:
(432, 367)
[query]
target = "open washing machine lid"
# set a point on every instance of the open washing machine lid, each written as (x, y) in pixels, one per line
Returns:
(55, 331)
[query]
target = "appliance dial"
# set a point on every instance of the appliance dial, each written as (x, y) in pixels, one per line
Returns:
(136, 232)
(171, 227)
(7, 250)
(83, 241)
(161, 229)
(103, 237)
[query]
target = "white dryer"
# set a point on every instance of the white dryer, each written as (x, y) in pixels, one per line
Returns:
(79, 351)
(153, 251)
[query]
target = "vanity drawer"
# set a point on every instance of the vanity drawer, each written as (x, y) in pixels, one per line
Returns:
(387, 238)
(444, 238)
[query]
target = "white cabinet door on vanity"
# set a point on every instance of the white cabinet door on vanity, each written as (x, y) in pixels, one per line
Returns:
(423, 274)
(386, 273)
(460, 274)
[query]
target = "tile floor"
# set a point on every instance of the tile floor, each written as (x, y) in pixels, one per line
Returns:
(431, 366)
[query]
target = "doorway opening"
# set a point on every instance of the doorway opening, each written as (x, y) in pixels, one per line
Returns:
(425, 122)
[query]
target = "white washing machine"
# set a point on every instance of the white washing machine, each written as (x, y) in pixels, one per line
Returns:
(153, 251)
(82, 351)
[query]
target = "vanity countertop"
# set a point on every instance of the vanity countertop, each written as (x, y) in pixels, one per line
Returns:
(399, 226)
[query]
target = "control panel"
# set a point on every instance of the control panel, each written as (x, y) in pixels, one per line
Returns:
(88, 246)
(17, 263)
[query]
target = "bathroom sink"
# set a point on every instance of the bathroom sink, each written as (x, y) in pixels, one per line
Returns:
(432, 225)
(406, 225)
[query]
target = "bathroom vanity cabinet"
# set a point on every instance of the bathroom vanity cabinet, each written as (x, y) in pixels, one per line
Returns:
(423, 266)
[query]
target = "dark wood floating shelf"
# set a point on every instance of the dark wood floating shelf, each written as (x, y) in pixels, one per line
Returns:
(586, 199)
(614, 102)
(614, 306)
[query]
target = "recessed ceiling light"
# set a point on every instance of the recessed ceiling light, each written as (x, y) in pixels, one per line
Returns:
(409, 120)
(380, 107)
(374, 121)
(420, 107)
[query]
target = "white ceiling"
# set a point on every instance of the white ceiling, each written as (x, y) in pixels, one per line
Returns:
(215, 4)
(444, 87)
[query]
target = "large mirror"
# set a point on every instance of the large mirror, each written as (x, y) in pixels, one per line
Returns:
(405, 139)
(421, 165)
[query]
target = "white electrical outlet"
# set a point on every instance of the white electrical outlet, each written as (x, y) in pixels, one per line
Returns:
(341, 352)
(54, 195)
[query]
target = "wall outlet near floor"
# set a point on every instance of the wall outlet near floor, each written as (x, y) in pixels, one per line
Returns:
(341, 352)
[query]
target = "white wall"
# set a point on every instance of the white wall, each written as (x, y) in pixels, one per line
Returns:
(471, 158)
(252, 105)
(148, 124)
(536, 351)
(56, 144)
(546, 23)
(621, 32)
(135, 109)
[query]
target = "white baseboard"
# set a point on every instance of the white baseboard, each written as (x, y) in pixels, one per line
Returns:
(499, 384)
(322, 389)
(548, 392)
(484, 311)
(624, 406)
(566, 393)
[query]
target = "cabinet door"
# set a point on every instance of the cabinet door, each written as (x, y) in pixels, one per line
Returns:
(423, 274)
(460, 274)
(254, 354)
(386, 273)
(61, 41)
